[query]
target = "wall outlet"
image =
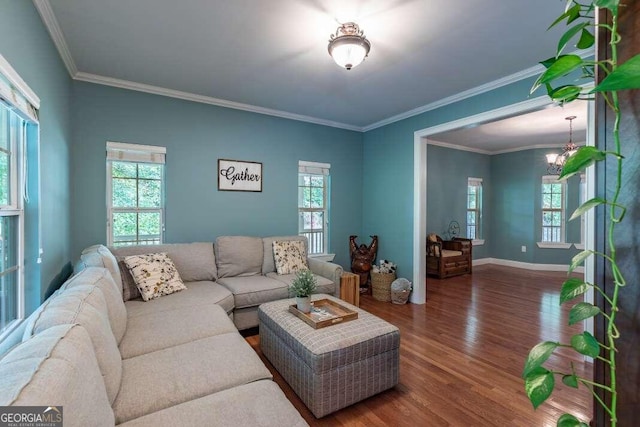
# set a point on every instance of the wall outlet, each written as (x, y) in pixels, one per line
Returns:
(523, 249)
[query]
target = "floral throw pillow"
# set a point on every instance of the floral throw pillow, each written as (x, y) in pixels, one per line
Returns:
(289, 256)
(155, 275)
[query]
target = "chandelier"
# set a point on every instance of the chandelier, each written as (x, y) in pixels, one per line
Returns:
(557, 161)
(348, 46)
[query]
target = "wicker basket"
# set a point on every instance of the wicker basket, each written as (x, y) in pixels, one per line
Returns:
(400, 297)
(381, 285)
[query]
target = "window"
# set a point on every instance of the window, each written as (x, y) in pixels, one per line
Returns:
(474, 208)
(553, 207)
(18, 137)
(12, 140)
(135, 194)
(313, 205)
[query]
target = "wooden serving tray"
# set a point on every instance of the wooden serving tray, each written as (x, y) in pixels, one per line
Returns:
(325, 312)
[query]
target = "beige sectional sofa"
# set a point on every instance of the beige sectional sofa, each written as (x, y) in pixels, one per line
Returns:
(237, 272)
(175, 360)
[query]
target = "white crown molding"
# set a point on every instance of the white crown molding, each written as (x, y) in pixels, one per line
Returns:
(487, 87)
(50, 21)
(157, 90)
(493, 153)
(458, 147)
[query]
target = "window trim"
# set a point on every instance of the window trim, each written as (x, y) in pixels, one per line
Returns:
(316, 168)
(133, 153)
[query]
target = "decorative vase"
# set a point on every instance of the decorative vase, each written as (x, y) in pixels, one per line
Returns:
(304, 304)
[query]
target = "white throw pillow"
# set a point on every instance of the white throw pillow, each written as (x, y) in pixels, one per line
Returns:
(289, 256)
(155, 275)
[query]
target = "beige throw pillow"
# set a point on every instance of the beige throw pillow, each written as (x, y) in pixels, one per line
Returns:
(155, 275)
(289, 256)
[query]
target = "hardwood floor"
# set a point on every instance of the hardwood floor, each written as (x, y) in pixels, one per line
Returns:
(462, 354)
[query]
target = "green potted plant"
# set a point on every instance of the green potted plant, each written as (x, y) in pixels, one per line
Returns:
(302, 287)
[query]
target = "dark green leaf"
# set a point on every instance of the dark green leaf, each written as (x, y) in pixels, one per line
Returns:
(580, 160)
(568, 35)
(568, 420)
(579, 259)
(571, 14)
(586, 40)
(589, 204)
(570, 380)
(582, 311)
(538, 355)
(586, 344)
(547, 62)
(626, 76)
(538, 385)
(612, 5)
(565, 93)
(562, 66)
(572, 288)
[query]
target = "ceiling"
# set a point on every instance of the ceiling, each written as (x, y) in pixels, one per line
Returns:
(271, 56)
(539, 129)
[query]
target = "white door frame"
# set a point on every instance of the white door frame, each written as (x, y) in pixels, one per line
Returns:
(419, 293)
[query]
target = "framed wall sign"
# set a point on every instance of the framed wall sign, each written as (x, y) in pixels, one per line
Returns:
(235, 175)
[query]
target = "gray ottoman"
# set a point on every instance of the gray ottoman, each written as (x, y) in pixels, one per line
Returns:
(332, 367)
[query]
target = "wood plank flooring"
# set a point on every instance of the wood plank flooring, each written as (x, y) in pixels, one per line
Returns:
(462, 355)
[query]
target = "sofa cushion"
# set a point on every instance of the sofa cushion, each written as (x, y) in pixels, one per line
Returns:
(324, 285)
(254, 290)
(289, 256)
(85, 306)
(155, 275)
(57, 368)
(195, 261)
(102, 279)
(239, 256)
(101, 256)
(164, 329)
(198, 294)
(259, 403)
(268, 263)
(168, 377)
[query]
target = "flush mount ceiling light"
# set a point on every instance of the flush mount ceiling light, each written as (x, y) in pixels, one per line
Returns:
(348, 46)
(557, 161)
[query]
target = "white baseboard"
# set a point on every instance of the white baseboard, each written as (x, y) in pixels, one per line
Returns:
(524, 265)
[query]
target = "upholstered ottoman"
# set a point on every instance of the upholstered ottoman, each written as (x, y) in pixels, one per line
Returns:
(335, 366)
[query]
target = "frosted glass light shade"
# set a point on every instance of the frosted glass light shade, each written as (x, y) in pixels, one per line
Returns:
(551, 158)
(348, 46)
(348, 51)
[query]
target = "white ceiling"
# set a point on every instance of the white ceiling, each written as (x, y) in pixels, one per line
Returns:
(271, 56)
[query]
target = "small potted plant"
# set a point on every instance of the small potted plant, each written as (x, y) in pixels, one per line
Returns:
(302, 287)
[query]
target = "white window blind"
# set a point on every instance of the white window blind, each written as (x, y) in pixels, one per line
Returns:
(313, 168)
(15, 93)
(120, 151)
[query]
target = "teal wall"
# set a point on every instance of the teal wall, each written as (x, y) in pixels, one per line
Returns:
(448, 171)
(27, 46)
(516, 200)
(196, 136)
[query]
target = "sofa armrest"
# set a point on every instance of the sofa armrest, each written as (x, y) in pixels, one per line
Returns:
(328, 270)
